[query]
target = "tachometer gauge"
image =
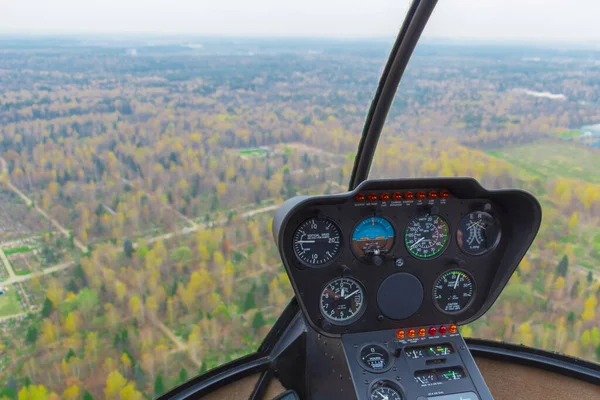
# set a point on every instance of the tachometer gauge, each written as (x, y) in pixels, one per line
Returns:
(453, 292)
(317, 241)
(342, 301)
(385, 390)
(426, 236)
(478, 233)
(372, 236)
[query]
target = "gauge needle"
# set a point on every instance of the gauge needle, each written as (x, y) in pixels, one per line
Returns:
(417, 242)
(456, 283)
(305, 241)
(350, 295)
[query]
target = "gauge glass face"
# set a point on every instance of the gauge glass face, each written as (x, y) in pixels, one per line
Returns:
(425, 378)
(342, 301)
(426, 236)
(451, 374)
(478, 233)
(317, 241)
(385, 391)
(372, 236)
(375, 357)
(453, 292)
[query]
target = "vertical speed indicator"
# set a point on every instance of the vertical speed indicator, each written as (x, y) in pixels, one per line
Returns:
(317, 241)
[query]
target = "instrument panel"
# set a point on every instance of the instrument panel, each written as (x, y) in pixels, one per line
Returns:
(397, 253)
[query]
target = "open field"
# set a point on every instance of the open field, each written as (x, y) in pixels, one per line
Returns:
(549, 159)
(9, 303)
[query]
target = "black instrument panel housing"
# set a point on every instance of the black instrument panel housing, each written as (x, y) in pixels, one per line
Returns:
(517, 212)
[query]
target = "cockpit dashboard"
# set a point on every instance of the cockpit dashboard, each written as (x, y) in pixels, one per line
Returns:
(394, 266)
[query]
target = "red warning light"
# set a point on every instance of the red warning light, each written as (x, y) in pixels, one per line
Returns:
(385, 196)
(433, 195)
(420, 195)
(409, 196)
(443, 330)
(397, 196)
(422, 332)
(432, 331)
(444, 194)
(372, 197)
(400, 334)
(411, 333)
(360, 197)
(453, 328)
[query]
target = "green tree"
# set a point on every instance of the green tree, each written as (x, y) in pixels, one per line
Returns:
(590, 277)
(128, 248)
(563, 266)
(138, 375)
(32, 334)
(70, 354)
(249, 302)
(87, 396)
(258, 321)
(47, 308)
(159, 385)
(183, 375)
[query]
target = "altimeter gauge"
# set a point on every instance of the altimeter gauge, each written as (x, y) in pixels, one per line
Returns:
(342, 301)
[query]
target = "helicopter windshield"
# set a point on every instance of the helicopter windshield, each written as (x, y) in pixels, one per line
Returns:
(146, 145)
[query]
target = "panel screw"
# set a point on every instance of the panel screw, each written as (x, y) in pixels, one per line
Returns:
(399, 262)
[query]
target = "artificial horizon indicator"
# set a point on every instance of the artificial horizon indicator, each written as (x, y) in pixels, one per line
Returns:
(373, 236)
(317, 241)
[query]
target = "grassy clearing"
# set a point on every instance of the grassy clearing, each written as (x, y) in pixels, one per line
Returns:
(253, 152)
(18, 250)
(9, 303)
(572, 134)
(550, 159)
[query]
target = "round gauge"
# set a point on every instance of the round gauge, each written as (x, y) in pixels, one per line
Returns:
(385, 390)
(372, 236)
(342, 301)
(375, 358)
(426, 236)
(478, 233)
(453, 291)
(317, 241)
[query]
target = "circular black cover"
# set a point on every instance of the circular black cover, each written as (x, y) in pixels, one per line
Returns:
(400, 296)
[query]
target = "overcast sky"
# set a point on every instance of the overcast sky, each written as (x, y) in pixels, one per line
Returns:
(475, 19)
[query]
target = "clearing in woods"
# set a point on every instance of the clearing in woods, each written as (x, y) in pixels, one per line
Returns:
(547, 159)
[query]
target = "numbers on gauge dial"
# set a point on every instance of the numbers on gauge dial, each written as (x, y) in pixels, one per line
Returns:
(317, 241)
(478, 233)
(426, 236)
(342, 301)
(385, 392)
(453, 292)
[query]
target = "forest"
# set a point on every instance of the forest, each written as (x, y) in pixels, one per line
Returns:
(138, 180)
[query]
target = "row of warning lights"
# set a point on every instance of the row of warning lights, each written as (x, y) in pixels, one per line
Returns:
(422, 332)
(385, 196)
